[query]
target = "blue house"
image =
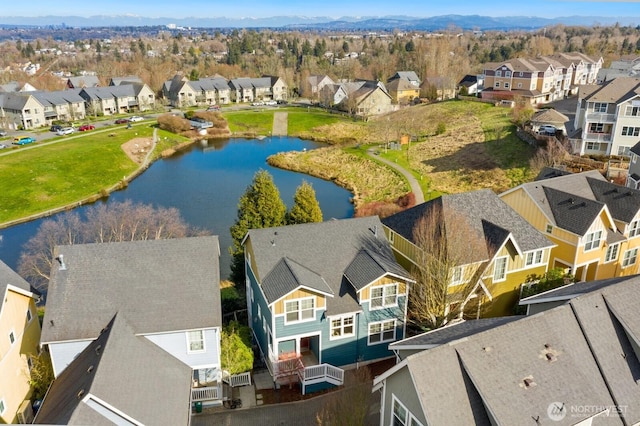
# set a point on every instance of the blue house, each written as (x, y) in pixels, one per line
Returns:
(323, 297)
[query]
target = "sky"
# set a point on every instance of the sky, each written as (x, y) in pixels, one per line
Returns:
(329, 8)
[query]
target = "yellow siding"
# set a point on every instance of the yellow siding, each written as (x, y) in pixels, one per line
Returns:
(14, 385)
(402, 287)
(248, 249)
(299, 294)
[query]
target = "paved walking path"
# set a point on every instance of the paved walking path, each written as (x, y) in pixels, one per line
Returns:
(280, 120)
(413, 182)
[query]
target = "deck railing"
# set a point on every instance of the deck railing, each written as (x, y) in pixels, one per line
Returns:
(321, 373)
(242, 379)
(208, 393)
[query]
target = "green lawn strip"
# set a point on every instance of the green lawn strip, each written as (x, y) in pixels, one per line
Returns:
(301, 120)
(258, 121)
(65, 172)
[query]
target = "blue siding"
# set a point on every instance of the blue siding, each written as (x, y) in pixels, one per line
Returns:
(256, 324)
(306, 327)
(318, 387)
(380, 350)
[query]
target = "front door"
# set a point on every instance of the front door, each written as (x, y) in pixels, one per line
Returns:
(304, 344)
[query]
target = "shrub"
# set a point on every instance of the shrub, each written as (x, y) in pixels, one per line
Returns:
(407, 200)
(173, 124)
(441, 128)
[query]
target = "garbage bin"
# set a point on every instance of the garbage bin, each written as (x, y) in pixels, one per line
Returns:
(198, 405)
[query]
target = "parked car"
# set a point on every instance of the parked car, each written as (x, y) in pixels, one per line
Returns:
(271, 103)
(24, 140)
(213, 108)
(3, 146)
(3, 132)
(135, 118)
(65, 131)
(257, 103)
(281, 102)
(122, 121)
(547, 130)
(86, 127)
(55, 128)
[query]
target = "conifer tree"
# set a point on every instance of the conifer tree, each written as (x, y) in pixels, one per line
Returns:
(306, 208)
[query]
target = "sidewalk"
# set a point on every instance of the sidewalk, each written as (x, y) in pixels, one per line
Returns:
(413, 182)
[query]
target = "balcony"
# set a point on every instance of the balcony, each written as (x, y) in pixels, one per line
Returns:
(305, 369)
(601, 117)
(597, 137)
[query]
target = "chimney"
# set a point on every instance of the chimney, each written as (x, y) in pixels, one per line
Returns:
(60, 260)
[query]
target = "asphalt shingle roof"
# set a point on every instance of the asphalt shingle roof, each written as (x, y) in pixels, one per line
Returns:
(289, 275)
(623, 202)
(159, 285)
(324, 250)
(9, 276)
(572, 212)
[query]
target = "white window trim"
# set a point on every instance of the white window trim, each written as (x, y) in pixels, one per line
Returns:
(409, 419)
(589, 239)
(607, 257)
(342, 335)
(549, 228)
(384, 296)
(299, 320)
(369, 343)
(506, 266)
(634, 228)
(12, 333)
(460, 278)
(535, 254)
(625, 258)
(29, 315)
(196, 351)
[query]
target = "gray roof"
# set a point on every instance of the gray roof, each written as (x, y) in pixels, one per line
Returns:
(84, 81)
(636, 149)
(368, 266)
(551, 172)
(623, 202)
(9, 277)
(159, 285)
(111, 92)
(486, 217)
(117, 81)
(126, 371)
(14, 101)
(549, 116)
(209, 84)
(572, 212)
(615, 91)
(459, 330)
(315, 254)
(568, 292)
(405, 75)
(58, 97)
(579, 354)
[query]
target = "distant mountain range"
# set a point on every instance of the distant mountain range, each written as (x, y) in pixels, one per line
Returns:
(403, 23)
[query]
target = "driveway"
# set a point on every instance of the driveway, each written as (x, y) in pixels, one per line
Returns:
(567, 107)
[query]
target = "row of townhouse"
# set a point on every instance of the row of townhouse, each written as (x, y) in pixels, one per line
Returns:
(33, 109)
(539, 80)
(181, 92)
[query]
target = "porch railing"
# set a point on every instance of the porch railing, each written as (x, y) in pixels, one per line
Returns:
(243, 379)
(321, 373)
(205, 393)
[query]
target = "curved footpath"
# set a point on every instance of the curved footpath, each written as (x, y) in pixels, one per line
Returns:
(413, 182)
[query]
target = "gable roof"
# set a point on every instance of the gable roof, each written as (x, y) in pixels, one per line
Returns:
(468, 80)
(570, 291)
(615, 91)
(487, 218)
(314, 254)
(405, 75)
(127, 372)
(116, 81)
(83, 81)
(159, 285)
(572, 212)
(58, 97)
(577, 352)
(368, 266)
(623, 202)
(549, 116)
(9, 277)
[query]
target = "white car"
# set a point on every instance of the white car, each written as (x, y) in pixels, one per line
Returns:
(65, 131)
(257, 103)
(271, 103)
(135, 118)
(547, 130)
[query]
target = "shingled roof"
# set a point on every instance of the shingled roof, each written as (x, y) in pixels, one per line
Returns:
(314, 254)
(159, 285)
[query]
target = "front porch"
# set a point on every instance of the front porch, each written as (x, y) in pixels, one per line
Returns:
(304, 368)
(207, 386)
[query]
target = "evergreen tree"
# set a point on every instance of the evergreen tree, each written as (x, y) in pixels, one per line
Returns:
(306, 208)
(259, 207)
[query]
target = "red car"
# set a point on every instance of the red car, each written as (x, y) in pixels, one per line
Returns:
(122, 120)
(86, 127)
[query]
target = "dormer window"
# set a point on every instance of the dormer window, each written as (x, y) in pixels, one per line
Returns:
(634, 228)
(299, 310)
(592, 240)
(383, 296)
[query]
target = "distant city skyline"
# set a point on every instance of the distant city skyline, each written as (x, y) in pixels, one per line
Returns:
(329, 8)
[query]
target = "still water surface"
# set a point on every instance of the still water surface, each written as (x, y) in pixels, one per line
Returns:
(205, 183)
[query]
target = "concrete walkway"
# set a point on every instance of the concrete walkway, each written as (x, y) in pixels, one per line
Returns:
(280, 126)
(413, 182)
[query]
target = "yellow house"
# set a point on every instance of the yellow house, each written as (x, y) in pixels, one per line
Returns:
(19, 337)
(594, 223)
(494, 249)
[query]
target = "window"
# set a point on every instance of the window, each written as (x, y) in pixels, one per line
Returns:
(632, 111)
(507, 73)
(630, 257)
(549, 229)
(630, 131)
(195, 341)
(380, 332)
(520, 73)
(624, 151)
(599, 107)
(401, 415)
(342, 327)
(456, 275)
(497, 84)
(2, 406)
(500, 269)
(392, 236)
(29, 315)
(612, 253)
(383, 296)
(12, 337)
(299, 310)
(593, 146)
(506, 85)
(534, 258)
(634, 228)
(498, 73)
(596, 128)
(592, 240)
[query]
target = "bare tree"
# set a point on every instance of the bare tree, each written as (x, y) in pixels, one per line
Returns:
(113, 222)
(348, 406)
(448, 272)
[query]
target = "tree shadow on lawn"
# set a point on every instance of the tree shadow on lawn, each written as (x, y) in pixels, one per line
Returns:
(472, 156)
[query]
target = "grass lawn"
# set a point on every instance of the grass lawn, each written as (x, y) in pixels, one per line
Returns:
(67, 171)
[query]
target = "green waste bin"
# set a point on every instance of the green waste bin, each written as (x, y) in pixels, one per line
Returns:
(198, 405)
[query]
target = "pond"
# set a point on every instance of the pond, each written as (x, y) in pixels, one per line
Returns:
(205, 184)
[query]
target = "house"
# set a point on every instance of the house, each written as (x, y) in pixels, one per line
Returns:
(608, 118)
(120, 378)
(166, 290)
(409, 76)
(316, 83)
(19, 336)
(332, 94)
(61, 105)
(549, 117)
(130, 79)
(21, 111)
(266, 88)
(633, 176)
(120, 99)
(14, 86)
(491, 249)
(574, 364)
(595, 224)
(241, 90)
(366, 98)
(181, 92)
(438, 88)
(402, 91)
(469, 85)
(323, 297)
(624, 67)
(82, 81)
